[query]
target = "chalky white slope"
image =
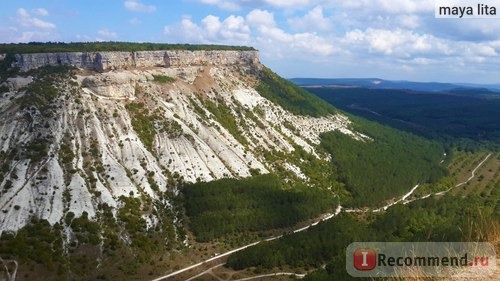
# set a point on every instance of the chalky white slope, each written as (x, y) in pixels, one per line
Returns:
(109, 158)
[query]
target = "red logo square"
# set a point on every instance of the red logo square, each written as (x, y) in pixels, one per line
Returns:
(365, 259)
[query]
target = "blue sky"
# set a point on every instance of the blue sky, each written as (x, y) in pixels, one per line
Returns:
(297, 38)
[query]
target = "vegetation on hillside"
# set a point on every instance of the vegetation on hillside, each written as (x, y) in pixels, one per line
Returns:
(386, 166)
(163, 79)
(6, 70)
(43, 91)
(54, 47)
(147, 124)
(223, 114)
(446, 219)
(264, 202)
(80, 248)
(142, 231)
(290, 96)
(38, 242)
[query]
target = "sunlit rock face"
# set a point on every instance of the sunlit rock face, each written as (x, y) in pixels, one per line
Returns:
(136, 124)
(103, 61)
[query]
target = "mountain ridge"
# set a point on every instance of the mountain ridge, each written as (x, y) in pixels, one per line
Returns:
(145, 163)
(93, 137)
(377, 83)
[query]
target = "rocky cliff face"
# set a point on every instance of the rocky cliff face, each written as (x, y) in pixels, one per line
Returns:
(72, 144)
(99, 153)
(104, 61)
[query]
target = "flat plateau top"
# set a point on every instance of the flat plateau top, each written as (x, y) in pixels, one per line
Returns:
(111, 47)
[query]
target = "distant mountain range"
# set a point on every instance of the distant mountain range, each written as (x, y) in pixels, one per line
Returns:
(375, 83)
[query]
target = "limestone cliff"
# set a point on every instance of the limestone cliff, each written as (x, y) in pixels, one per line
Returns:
(73, 143)
(97, 154)
(104, 61)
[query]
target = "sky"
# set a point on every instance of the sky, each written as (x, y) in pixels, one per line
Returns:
(388, 39)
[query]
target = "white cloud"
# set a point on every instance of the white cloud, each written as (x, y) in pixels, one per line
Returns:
(313, 20)
(257, 28)
(485, 51)
(40, 12)
(416, 49)
(105, 34)
(26, 20)
(260, 17)
(137, 6)
(398, 42)
(388, 37)
(232, 30)
(14, 35)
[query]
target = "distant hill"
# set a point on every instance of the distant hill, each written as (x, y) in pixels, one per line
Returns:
(376, 83)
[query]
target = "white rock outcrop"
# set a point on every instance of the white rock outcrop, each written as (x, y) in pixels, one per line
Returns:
(110, 157)
(104, 61)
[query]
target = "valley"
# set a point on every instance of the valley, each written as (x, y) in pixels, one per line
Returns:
(156, 162)
(215, 266)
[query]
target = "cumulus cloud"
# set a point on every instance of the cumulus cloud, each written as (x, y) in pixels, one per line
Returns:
(313, 20)
(260, 18)
(386, 36)
(137, 6)
(399, 42)
(411, 48)
(27, 20)
(232, 30)
(257, 27)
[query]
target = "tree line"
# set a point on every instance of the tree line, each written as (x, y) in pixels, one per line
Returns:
(56, 47)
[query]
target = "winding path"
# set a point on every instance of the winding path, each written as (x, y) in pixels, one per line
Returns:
(326, 217)
(473, 175)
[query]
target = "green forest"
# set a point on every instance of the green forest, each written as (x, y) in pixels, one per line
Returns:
(446, 219)
(385, 166)
(360, 173)
(57, 47)
(263, 202)
(467, 119)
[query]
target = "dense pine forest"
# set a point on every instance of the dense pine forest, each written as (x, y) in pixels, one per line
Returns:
(445, 219)
(385, 166)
